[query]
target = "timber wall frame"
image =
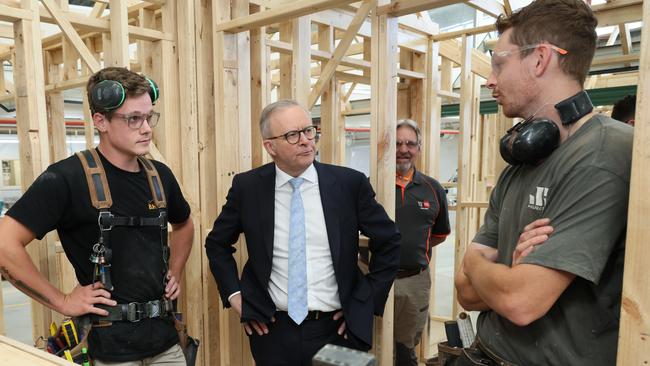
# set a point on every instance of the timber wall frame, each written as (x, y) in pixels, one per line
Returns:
(219, 62)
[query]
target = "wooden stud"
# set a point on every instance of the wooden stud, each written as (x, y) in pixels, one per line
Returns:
(31, 124)
(301, 60)
(382, 146)
(119, 35)
(332, 135)
(259, 90)
(463, 152)
(634, 326)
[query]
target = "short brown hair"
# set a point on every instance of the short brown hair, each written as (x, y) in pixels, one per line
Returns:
(568, 24)
(134, 84)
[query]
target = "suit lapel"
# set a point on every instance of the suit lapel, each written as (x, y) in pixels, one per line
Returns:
(266, 199)
(330, 194)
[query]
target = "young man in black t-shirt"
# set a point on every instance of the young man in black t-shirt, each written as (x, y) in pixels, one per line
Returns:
(60, 199)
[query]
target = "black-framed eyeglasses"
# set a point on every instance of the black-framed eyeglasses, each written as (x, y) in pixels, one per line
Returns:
(135, 121)
(409, 144)
(293, 137)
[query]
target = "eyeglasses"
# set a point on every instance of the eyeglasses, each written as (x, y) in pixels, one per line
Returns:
(496, 56)
(293, 137)
(409, 144)
(135, 121)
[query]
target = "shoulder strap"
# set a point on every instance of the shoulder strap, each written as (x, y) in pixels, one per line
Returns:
(157, 190)
(100, 194)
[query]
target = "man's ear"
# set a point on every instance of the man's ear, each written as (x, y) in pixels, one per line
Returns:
(100, 121)
(270, 147)
(543, 57)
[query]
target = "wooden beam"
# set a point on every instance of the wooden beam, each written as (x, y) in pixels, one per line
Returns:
(617, 59)
(341, 49)
(382, 146)
(119, 34)
(301, 60)
(11, 14)
(6, 31)
(71, 35)
(98, 9)
(403, 7)
(618, 12)
(489, 7)
(289, 11)
(635, 325)
(480, 64)
(470, 31)
(31, 125)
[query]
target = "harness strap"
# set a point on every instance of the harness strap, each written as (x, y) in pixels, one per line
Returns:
(155, 185)
(100, 195)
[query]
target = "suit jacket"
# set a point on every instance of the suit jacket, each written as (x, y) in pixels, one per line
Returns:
(349, 206)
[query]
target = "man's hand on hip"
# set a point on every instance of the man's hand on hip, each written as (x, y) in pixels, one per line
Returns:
(259, 327)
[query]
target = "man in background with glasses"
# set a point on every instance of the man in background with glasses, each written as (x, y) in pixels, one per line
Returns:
(422, 218)
(59, 199)
(545, 269)
(301, 287)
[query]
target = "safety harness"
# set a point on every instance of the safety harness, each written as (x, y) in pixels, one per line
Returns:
(100, 196)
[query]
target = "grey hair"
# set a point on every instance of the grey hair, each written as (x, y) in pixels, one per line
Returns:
(267, 112)
(412, 125)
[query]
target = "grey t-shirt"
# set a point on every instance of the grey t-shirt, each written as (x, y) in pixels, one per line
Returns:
(583, 188)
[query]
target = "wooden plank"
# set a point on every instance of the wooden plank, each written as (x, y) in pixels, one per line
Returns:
(15, 353)
(332, 132)
(287, 12)
(71, 35)
(6, 31)
(451, 49)
(98, 9)
(635, 325)
(490, 7)
(285, 89)
(207, 173)
(463, 155)
(459, 33)
(301, 60)
(398, 8)
(341, 49)
(617, 59)
(119, 36)
(11, 14)
(382, 147)
(618, 12)
(31, 125)
(189, 153)
(259, 90)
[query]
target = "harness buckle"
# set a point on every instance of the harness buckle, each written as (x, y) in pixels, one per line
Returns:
(163, 219)
(133, 312)
(153, 309)
(105, 220)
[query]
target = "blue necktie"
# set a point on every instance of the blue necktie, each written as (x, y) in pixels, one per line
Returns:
(297, 287)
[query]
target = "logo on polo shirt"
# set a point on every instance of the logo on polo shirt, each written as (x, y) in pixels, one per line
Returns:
(537, 201)
(424, 205)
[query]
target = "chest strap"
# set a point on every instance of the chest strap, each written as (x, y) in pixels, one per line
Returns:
(100, 197)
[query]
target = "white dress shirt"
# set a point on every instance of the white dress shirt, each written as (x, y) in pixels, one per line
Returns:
(322, 289)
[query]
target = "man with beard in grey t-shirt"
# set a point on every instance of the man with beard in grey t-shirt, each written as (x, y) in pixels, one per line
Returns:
(546, 267)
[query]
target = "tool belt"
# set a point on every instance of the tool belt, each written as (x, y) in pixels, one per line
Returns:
(136, 311)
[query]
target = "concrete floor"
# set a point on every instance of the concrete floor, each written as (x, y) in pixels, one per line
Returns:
(17, 314)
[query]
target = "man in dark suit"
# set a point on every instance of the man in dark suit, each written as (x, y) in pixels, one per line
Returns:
(301, 287)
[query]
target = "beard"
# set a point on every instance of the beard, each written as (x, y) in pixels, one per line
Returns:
(403, 168)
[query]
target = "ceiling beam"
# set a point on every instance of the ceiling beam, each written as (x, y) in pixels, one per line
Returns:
(281, 14)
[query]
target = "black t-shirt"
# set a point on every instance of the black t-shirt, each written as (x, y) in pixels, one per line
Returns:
(59, 199)
(420, 213)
